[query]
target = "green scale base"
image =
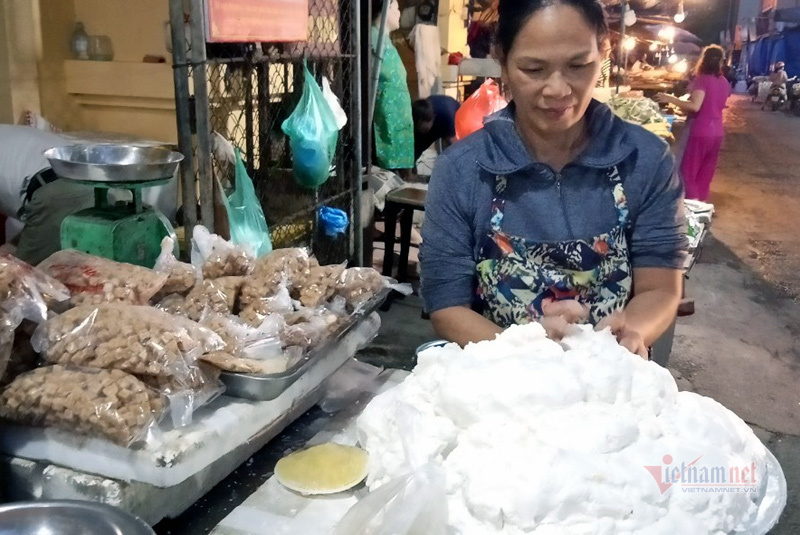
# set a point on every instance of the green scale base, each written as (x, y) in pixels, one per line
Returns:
(124, 232)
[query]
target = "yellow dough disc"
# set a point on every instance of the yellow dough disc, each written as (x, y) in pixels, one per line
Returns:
(325, 469)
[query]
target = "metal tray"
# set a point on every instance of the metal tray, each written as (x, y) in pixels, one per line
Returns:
(106, 162)
(69, 517)
(269, 387)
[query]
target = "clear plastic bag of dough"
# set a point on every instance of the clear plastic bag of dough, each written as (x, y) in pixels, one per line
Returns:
(28, 290)
(92, 280)
(186, 395)
(320, 285)
(216, 257)
(109, 404)
(8, 324)
(181, 276)
(135, 339)
(218, 295)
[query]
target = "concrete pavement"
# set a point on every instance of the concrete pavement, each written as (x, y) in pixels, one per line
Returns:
(740, 346)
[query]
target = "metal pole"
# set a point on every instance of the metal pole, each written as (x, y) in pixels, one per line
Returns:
(621, 46)
(206, 178)
(376, 68)
(355, 122)
(180, 71)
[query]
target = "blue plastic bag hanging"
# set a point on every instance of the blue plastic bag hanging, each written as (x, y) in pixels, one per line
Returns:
(333, 221)
(313, 134)
(245, 216)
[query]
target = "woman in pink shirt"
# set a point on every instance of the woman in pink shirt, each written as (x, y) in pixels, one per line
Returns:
(709, 92)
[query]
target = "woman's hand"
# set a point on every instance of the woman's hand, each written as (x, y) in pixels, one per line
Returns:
(557, 316)
(663, 98)
(627, 337)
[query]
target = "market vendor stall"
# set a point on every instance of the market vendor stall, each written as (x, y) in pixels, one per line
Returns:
(122, 404)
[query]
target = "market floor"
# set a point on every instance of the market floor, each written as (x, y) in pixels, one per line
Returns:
(740, 346)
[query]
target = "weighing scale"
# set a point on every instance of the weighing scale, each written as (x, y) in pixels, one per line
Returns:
(128, 232)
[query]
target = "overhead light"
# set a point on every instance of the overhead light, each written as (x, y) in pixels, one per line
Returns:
(629, 43)
(667, 33)
(680, 15)
(681, 67)
(654, 47)
(672, 59)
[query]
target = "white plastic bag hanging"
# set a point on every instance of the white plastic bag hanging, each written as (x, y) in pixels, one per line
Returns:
(333, 102)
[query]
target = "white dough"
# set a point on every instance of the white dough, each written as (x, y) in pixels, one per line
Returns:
(541, 437)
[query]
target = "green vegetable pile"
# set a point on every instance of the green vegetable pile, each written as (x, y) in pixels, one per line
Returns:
(636, 110)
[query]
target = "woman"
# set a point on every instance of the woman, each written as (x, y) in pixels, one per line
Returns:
(708, 94)
(556, 210)
(393, 124)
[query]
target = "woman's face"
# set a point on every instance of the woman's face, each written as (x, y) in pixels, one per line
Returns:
(552, 69)
(393, 16)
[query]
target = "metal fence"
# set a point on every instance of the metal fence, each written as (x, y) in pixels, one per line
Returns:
(244, 92)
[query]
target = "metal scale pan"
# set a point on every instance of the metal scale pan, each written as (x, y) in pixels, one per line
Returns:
(120, 164)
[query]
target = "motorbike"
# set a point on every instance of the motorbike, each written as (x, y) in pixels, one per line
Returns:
(793, 94)
(777, 95)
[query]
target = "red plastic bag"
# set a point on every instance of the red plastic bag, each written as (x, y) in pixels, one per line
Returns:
(482, 103)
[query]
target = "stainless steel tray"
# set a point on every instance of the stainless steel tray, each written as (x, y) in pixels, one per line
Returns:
(269, 387)
(69, 517)
(106, 162)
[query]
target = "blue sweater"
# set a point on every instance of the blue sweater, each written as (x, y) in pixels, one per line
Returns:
(458, 205)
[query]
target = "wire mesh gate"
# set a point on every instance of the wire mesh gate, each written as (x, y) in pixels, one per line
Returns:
(244, 92)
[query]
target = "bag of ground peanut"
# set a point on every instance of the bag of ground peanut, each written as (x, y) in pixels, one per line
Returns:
(108, 404)
(92, 280)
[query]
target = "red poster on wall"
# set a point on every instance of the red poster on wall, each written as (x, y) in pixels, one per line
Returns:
(244, 21)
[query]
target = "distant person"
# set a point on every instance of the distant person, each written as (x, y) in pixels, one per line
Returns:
(778, 78)
(434, 120)
(709, 93)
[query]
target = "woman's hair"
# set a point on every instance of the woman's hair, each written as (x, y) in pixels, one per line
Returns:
(513, 14)
(377, 8)
(711, 61)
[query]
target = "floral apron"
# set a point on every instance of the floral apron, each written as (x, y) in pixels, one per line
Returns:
(516, 277)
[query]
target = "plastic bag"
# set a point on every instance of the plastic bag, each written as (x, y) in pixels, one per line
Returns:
(138, 340)
(320, 285)
(200, 387)
(333, 221)
(94, 280)
(245, 215)
(309, 327)
(8, 324)
(213, 295)
(267, 290)
(110, 404)
(414, 504)
(482, 103)
(28, 290)
(313, 135)
(238, 336)
(216, 257)
(333, 101)
(180, 275)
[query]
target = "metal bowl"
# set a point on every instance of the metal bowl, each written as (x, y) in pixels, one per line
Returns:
(69, 518)
(106, 162)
